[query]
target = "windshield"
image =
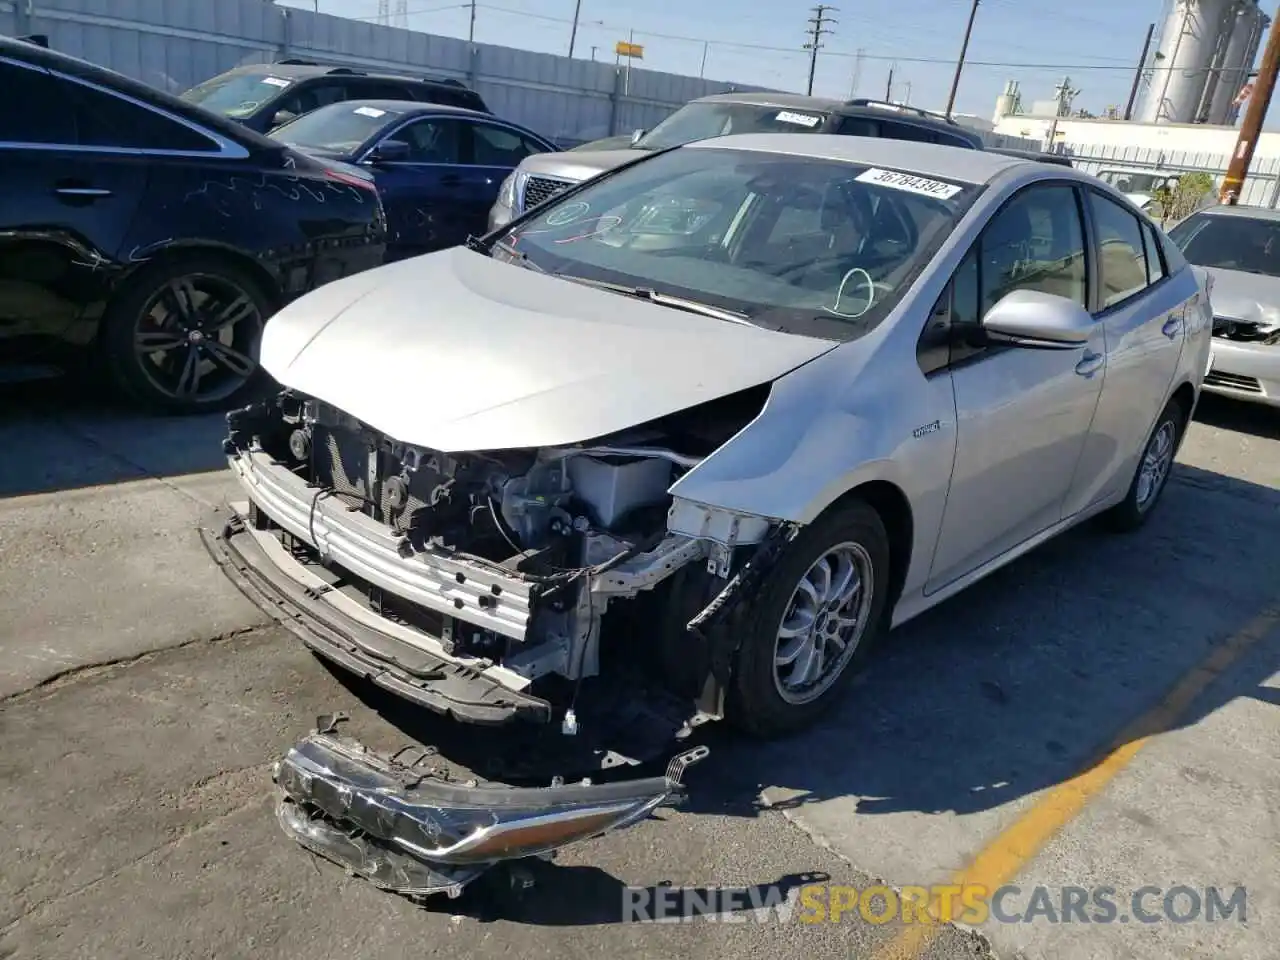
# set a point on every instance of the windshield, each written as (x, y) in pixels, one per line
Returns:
(1127, 181)
(701, 121)
(337, 128)
(811, 246)
(1230, 243)
(236, 94)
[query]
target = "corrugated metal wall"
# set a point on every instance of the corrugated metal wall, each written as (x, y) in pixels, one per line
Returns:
(174, 44)
(1261, 188)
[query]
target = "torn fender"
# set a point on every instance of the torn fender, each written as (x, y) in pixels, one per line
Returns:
(407, 829)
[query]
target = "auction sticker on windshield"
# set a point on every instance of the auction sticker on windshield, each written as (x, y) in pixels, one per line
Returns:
(370, 112)
(905, 181)
(804, 119)
(275, 81)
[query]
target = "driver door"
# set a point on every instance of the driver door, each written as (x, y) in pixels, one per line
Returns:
(1023, 414)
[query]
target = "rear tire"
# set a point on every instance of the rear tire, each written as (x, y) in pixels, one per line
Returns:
(772, 693)
(183, 335)
(1152, 473)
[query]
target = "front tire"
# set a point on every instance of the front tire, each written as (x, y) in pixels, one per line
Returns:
(811, 626)
(183, 336)
(1152, 473)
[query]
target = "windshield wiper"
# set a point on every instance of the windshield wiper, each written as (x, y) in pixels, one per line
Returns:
(518, 255)
(663, 299)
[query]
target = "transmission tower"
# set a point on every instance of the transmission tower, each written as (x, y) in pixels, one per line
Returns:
(817, 30)
(384, 12)
(401, 16)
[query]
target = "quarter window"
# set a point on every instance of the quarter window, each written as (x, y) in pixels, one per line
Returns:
(1121, 250)
(1035, 243)
(105, 120)
(1155, 266)
(35, 109)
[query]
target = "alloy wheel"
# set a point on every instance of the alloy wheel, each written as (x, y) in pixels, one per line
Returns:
(1157, 460)
(825, 620)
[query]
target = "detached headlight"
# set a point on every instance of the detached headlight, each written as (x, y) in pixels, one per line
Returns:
(507, 192)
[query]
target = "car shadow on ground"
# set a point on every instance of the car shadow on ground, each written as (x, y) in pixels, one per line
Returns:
(1016, 685)
(1239, 416)
(73, 432)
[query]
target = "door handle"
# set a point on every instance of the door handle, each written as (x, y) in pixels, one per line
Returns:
(82, 192)
(1171, 327)
(1090, 364)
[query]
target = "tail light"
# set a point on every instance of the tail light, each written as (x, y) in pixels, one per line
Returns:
(351, 180)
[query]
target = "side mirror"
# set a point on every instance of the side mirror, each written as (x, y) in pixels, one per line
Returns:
(389, 151)
(1030, 318)
(282, 117)
(636, 135)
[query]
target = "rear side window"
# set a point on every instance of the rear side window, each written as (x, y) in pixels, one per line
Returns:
(859, 127)
(908, 131)
(105, 120)
(499, 147)
(34, 108)
(1155, 266)
(1122, 255)
(378, 90)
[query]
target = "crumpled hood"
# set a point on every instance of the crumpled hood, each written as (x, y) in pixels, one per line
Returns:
(577, 165)
(457, 351)
(1249, 297)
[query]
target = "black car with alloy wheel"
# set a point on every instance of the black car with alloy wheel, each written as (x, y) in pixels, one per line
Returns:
(156, 238)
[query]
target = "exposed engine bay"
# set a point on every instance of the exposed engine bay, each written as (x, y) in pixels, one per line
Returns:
(491, 585)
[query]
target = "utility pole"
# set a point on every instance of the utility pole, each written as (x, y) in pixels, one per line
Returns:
(573, 32)
(888, 87)
(964, 49)
(857, 72)
(1064, 91)
(1137, 74)
(471, 30)
(702, 71)
(819, 22)
(1254, 115)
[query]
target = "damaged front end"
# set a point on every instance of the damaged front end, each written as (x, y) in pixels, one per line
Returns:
(406, 828)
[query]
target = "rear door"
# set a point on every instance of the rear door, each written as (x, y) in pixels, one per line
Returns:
(67, 207)
(497, 149)
(1142, 312)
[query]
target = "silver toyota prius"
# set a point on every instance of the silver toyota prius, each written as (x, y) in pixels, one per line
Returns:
(683, 443)
(1240, 248)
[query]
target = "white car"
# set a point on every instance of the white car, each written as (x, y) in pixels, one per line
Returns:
(698, 432)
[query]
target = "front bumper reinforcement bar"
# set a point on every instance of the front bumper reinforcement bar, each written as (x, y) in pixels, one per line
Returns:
(406, 829)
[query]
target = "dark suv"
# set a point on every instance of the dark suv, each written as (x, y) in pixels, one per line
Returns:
(157, 238)
(263, 96)
(544, 175)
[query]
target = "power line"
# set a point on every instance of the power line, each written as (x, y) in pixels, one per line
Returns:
(817, 30)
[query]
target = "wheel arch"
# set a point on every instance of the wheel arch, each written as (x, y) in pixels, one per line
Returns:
(176, 252)
(890, 502)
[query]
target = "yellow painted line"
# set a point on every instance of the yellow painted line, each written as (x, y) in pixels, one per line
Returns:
(1005, 856)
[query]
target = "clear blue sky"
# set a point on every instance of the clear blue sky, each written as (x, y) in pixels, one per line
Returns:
(1095, 42)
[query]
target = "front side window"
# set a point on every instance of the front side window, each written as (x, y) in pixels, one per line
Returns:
(1122, 259)
(1230, 243)
(237, 94)
(435, 140)
(1035, 242)
(703, 120)
(312, 97)
(791, 243)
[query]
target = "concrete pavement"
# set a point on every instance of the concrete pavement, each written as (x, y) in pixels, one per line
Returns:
(145, 782)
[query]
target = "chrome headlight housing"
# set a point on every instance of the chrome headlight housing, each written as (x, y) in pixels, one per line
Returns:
(507, 191)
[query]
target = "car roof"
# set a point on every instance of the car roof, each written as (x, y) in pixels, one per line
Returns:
(770, 99)
(82, 69)
(303, 71)
(402, 107)
(925, 159)
(1242, 210)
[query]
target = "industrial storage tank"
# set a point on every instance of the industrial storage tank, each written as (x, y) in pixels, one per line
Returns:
(1189, 41)
(1242, 50)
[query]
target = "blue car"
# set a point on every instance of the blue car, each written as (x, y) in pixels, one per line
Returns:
(437, 168)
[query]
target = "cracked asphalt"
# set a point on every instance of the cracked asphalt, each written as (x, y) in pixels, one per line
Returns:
(142, 702)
